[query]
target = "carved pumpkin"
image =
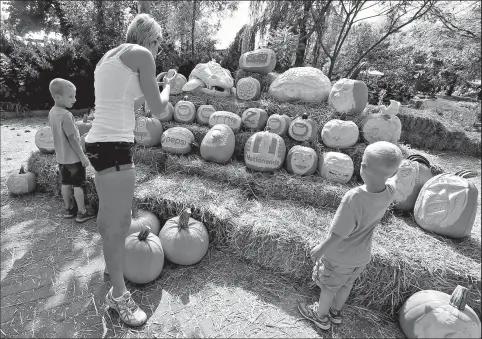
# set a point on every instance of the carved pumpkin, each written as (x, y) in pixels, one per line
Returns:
(148, 131)
(447, 205)
(264, 152)
(84, 126)
(21, 182)
(184, 111)
(303, 129)
(279, 124)
(339, 134)
(254, 118)
(336, 166)
(227, 118)
(349, 96)
(177, 140)
(141, 219)
(184, 239)
(167, 114)
(302, 160)
(262, 60)
(218, 144)
(383, 126)
(178, 82)
(248, 89)
(143, 257)
(434, 314)
(44, 140)
(204, 113)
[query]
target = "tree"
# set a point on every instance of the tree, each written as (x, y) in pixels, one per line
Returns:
(144, 6)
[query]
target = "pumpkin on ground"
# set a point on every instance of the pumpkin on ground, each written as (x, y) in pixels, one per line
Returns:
(302, 160)
(204, 113)
(143, 257)
(148, 131)
(254, 118)
(184, 111)
(166, 115)
(248, 89)
(264, 151)
(184, 239)
(262, 61)
(279, 124)
(447, 205)
(303, 129)
(434, 314)
(85, 125)
(228, 118)
(349, 96)
(141, 219)
(336, 166)
(177, 140)
(21, 182)
(339, 134)
(218, 144)
(383, 126)
(44, 140)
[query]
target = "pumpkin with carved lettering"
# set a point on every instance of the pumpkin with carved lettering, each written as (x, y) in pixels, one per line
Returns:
(303, 129)
(184, 111)
(264, 151)
(254, 118)
(302, 160)
(44, 140)
(177, 140)
(21, 182)
(204, 113)
(336, 166)
(279, 124)
(218, 144)
(339, 134)
(148, 131)
(262, 61)
(228, 118)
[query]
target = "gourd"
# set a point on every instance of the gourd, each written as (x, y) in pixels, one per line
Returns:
(184, 111)
(185, 240)
(204, 113)
(339, 134)
(349, 96)
(21, 182)
(218, 144)
(262, 60)
(44, 140)
(434, 314)
(383, 126)
(447, 205)
(279, 124)
(141, 219)
(303, 129)
(336, 166)
(166, 115)
(248, 89)
(227, 118)
(254, 118)
(302, 160)
(264, 151)
(84, 126)
(177, 140)
(148, 131)
(143, 257)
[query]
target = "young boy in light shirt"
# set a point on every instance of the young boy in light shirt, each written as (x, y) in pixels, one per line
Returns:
(345, 253)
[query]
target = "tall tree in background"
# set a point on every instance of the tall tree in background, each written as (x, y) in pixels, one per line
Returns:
(144, 6)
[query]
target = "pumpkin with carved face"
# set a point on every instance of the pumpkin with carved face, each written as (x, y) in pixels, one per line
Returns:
(264, 152)
(228, 118)
(339, 134)
(336, 166)
(302, 160)
(218, 144)
(177, 140)
(383, 126)
(204, 113)
(254, 118)
(447, 205)
(21, 182)
(303, 129)
(279, 124)
(184, 111)
(349, 96)
(148, 131)
(44, 140)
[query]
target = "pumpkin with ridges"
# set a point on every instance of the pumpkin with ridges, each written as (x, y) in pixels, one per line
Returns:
(383, 126)
(228, 118)
(204, 113)
(184, 111)
(279, 124)
(177, 140)
(148, 131)
(44, 140)
(264, 151)
(218, 144)
(248, 89)
(254, 118)
(303, 129)
(302, 160)
(141, 219)
(21, 182)
(262, 60)
(339, 134)
(336, 166)
(349, 96)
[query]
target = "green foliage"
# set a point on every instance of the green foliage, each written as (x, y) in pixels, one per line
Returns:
(284, 43)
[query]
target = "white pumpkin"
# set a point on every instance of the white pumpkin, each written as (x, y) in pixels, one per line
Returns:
(339, 134)
(302, 160)
(254, 118)
(44, 140)
(227, 118)
(204, 113)
(279, 124)
(336, 166)
(264, 152)
(184, 111)
(177, 140)
(383, 126)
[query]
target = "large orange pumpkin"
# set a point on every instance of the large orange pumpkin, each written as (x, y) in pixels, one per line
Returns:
(228, 118)
(254, 118)
(303, 129)
(349, 96)
(279, 124)
(184, 111)
(336, 166)
(148, 131)
(264, 151)
(218, 144)
(21, 182)
(141, 219)
(44, 140)
(177, 140)
(204, 113)
(339, 134)
(383, 126)
(166, 115)
(302, 160)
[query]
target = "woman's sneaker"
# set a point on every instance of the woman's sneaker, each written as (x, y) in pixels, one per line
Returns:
(310, 312)
(127, 308)
(82, 217)
(335, 316)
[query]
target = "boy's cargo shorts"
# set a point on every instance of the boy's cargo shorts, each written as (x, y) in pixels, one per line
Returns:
(332, 277)
(72, 174)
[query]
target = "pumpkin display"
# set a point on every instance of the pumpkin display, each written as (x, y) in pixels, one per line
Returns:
(184, 111)
(264, 151)
(254, 118)
(302, 160)
(218, 144)
(434, 314)
(177, 140)
(21, 182)
(166, 115)
(447, 205)
(262, 61)
(248, 89)
(143, 257)
(141, 219)
(303, 129)
(336, 166)
(383, 126)
(148, 131)
(279, 124)
(339, 134)
(349, 96)
(204, 113)
(44, 140)
(185, 240)
(84, 126)
(228, 118)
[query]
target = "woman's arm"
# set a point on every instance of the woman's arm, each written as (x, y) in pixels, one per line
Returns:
(138, 102)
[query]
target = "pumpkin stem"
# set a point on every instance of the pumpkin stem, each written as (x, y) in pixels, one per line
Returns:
(84, 119)
(185, 98)
(22, 170)
(458, 299)
(304, 116)
(184, 218)
(144, 233)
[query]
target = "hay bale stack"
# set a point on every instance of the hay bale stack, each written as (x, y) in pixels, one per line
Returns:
(265, 80)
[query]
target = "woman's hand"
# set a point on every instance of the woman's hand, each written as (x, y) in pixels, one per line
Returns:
(169, 77)
(316, 252)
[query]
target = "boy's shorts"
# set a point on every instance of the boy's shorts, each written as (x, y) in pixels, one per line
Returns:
(72, 174)
(332, 277)
(108, 157)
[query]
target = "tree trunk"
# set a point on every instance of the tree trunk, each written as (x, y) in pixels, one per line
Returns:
(193, 26)
(302, 42)
(143, 6)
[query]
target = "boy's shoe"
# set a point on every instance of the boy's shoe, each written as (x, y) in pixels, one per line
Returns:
(310, 312)
(335, 316)
(71, 211)
(82, 217)
(127, 308)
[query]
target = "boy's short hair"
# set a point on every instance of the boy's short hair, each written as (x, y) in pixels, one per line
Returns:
(57, 86)
(384, 152)
(143, 30)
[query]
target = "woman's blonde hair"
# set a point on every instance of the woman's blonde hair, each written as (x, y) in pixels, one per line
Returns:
(143, 30)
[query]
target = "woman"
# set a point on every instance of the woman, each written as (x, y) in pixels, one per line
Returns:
(123, 79)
